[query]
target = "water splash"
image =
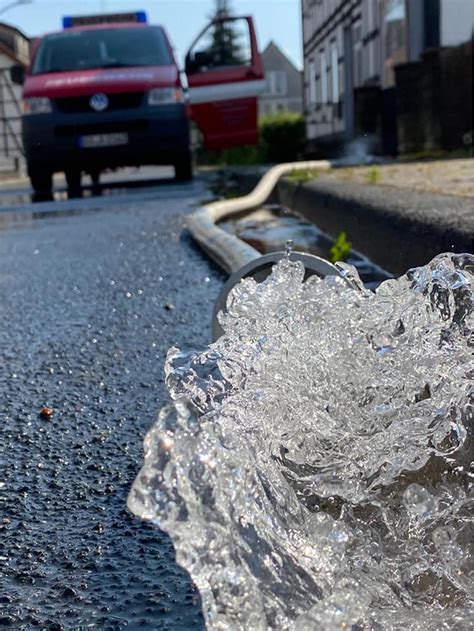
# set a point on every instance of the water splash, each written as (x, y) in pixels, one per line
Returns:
(313, 469)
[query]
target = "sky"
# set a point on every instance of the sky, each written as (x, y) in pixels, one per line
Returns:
(277, 20)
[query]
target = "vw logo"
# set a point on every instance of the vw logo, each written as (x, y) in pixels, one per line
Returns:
(99, 102)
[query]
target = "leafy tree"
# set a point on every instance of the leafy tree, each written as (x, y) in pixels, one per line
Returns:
(223, 8)
(225, 48)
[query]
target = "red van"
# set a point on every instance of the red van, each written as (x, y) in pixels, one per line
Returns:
(106, 92)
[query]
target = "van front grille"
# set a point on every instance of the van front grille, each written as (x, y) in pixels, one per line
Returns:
(80, 104)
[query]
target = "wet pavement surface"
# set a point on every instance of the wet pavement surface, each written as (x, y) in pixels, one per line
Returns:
(16, 192)
(92, 295)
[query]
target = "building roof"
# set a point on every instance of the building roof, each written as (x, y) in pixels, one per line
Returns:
(9, 27)
(10, 36)
(272, 47)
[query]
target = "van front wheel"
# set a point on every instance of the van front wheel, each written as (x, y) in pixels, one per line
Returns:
(73, 181)
(42, 184)
(184, 169)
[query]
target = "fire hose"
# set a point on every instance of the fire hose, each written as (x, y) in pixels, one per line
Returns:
(237, 258)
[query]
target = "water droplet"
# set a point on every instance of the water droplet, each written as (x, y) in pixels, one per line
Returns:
(289, 247)
(444, 537)
(419, 501)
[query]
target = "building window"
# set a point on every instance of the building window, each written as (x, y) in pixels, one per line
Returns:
(394, 39)
(277, 83)
(370, 16)
(335, 73)
(372, 58)
(357, 39)
(312, 83)
(324, 78)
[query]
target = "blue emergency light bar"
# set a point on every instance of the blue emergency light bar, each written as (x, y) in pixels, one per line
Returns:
(110, 18)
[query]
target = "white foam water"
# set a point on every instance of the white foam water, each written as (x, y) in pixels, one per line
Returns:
(313, 469)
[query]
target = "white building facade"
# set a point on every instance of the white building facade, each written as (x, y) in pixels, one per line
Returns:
(351, 46)
(14, 49)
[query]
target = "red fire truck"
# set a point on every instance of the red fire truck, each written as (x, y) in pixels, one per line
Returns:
(106, 92)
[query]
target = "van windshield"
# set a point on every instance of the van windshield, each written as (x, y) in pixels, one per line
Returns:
(102, 48)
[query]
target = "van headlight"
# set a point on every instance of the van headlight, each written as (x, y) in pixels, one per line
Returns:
(37, 105)
(165, 96)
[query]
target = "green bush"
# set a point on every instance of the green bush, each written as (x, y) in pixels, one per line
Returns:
(243, 155)
(282, 139)
(283, 136)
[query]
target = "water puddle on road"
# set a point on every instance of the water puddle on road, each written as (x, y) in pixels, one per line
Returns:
(268, 228)
(114, 184)
(313, 468)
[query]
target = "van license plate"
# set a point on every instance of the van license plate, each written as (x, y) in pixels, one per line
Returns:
(103, 140)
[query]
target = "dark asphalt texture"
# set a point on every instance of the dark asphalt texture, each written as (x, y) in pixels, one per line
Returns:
(90, 302)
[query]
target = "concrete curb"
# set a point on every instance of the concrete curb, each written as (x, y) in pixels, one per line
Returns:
(14, 179)
(396, 228)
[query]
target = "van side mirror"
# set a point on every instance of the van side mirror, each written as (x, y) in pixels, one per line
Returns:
(188, 64)
(202, 59)
(195, 62)
(17, 74)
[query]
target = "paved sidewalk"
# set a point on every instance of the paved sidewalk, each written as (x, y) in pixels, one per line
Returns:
(447, 177)
(400, 215)
(12, 177)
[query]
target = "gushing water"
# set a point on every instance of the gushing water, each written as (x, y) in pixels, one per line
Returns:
(313, 469)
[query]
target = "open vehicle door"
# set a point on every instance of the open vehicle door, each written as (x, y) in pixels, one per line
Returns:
(225, 76)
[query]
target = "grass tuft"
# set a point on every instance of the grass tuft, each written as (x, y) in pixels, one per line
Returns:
(341, 248)
(300, 176)
(373, 175)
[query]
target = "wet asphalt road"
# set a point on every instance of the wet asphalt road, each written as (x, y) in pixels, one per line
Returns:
(92, 294)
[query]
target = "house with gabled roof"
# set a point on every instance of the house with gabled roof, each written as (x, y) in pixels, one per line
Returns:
(284, 91)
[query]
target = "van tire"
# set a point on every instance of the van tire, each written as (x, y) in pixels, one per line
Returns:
(73, 181)
(184, 169)
(95, 179)
(42, 184)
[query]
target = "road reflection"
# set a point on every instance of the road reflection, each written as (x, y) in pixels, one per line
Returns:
(18, 192)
